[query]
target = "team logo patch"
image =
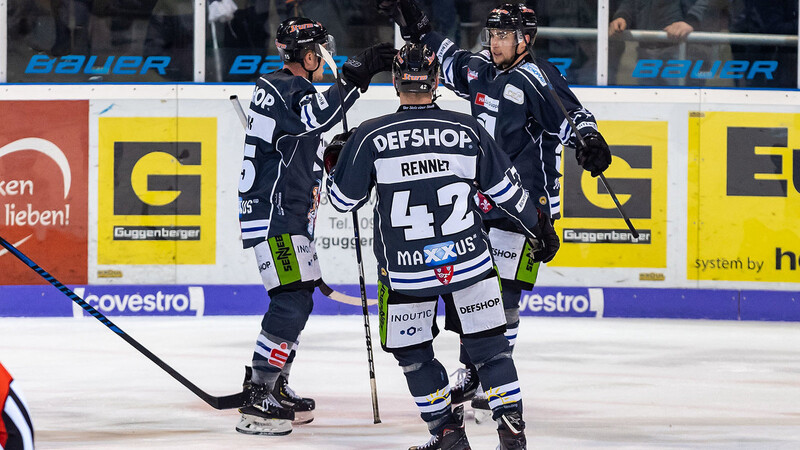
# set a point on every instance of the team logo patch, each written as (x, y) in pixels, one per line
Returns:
(471, 75)
(487, 102)
(383, 271)
(514, 94)
(278, 356)
(542, 200)
(483, 202)
(444, 274)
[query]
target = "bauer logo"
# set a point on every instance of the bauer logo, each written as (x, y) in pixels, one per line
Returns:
(142, 300)
(157, 196)
(591, 224)
(563, 302)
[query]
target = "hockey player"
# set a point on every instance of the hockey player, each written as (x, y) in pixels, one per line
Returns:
(279, 195)
(426, 165)
(510, 98)
(16, 429)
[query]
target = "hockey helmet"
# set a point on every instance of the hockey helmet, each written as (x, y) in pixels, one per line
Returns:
(297, 35)
(511, 17)
(415, 69)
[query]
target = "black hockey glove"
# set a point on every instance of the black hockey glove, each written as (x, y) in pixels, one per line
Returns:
(360, 69)
(546, 244)
(595, 157)
(331, 155)
(409, 16)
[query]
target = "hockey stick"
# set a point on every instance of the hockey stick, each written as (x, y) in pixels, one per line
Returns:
(226, 402)
(323, 286)
(554, 94)
(376, 416)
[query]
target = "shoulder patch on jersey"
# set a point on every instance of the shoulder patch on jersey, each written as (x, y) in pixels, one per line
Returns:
(533, 69)
(446, 44)
(471, 75)
(487, 102)
(514, 94)
(321, 101)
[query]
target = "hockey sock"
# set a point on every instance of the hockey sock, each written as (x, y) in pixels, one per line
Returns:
(427, 381)
(497, 373)
(269, 358)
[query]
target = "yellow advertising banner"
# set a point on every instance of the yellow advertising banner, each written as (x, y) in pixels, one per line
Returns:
(744, 197)
(157, 190)
(593, 234)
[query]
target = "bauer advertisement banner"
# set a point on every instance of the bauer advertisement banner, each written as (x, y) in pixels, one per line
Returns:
(44, 148)
(592, 233)
(157, 190)
(744, 197)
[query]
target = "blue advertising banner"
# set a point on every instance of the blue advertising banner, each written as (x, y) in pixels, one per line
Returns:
(215, 300)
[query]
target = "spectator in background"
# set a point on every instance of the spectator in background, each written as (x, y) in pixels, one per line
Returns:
(766, 17)
(16, 429)
(170, 32)
(677, 18)
(580, 55)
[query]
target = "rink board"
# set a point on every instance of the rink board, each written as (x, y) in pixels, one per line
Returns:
(710, 178)
(221, 300)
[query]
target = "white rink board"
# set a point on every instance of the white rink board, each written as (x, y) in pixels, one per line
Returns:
(235, 266)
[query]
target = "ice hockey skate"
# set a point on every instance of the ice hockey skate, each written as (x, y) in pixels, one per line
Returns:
(265, 417)
(511, 430)
(466, 384)
(452, 436)
(303, 407)
(480, 407)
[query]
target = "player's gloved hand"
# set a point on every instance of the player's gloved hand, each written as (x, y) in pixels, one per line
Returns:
(360, 69)
(221, 10)
(413, 22)
(595, 156)
(546, 244)
(331, 155)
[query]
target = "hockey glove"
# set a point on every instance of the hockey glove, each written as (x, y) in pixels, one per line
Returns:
(413, 22)
(546, 244)
(595, 156)
(360, 69)
(331, 155)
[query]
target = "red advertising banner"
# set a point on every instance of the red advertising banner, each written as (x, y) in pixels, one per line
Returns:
(44, 152)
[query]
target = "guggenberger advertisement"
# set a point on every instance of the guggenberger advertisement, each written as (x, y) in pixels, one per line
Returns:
(592, 232)
(744, 197)
(157, 190)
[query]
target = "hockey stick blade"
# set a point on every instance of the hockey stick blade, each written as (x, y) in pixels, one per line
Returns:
(226, 402)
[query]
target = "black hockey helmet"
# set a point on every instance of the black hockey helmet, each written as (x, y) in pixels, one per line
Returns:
(297, 35)
(415, 69)
(511, 16)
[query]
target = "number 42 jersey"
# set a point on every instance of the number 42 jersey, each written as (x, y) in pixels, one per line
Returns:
(426, 165)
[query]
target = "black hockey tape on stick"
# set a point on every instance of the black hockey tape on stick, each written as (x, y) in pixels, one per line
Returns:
(323, 286)
(226, 402)
(571, 123)
(376, 415)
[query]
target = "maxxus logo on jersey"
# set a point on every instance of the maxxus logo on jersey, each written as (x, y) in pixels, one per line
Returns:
(142, 300)
(435, 255)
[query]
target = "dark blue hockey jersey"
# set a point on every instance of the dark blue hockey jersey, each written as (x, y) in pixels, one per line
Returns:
(282, 168)
(426, 165)
(516, 108)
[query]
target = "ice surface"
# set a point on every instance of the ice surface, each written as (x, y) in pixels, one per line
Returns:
(586, 384)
